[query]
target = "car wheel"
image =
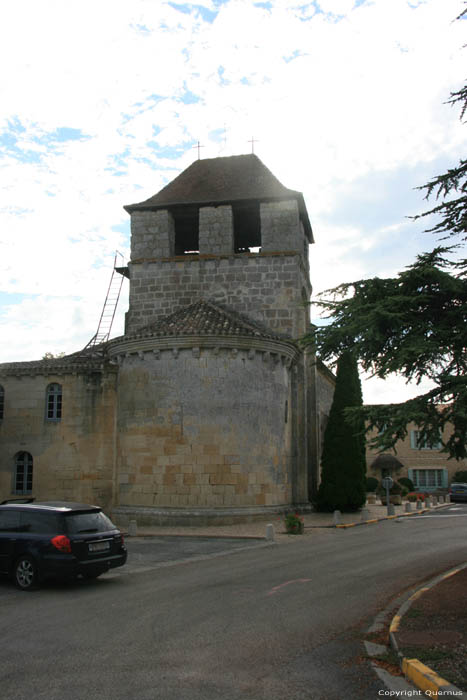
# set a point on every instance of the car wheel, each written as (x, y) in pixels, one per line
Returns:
(26, 575)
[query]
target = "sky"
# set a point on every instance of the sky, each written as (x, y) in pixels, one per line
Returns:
(103, 102)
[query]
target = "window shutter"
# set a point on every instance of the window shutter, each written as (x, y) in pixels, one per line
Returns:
(444, 478)
(413, 439)
(411, 475)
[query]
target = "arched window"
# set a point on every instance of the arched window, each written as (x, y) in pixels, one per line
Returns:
(53, 409)
(23, 473)
(2, 401)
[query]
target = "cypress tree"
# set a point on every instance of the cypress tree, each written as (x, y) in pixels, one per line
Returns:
(343, 465)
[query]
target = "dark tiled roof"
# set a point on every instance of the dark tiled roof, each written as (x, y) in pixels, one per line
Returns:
(223, 180)
(206, 318)
(386, 461)
(91, 358)
(219, 180)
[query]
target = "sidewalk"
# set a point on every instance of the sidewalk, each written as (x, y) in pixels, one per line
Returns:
(257, 529)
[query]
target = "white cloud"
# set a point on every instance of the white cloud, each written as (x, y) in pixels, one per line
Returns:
(338, 97)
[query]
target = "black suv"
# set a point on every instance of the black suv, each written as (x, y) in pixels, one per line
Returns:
(39, 540)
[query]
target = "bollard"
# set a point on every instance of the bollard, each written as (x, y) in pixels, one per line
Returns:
(132, 528)
(337, 517)
(441, 499)
(419, 504)
(270, 532)
(365, 515)
(391, 509)
(427, 502)
(448, 498)
(435, 500)
(408, 507)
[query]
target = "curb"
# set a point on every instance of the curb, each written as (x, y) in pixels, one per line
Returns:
(423, 677)
(387, 517)
(185, 535)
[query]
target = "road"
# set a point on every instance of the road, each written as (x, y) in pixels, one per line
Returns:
(264, 623)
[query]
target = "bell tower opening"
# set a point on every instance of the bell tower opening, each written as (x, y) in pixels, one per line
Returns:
(246, 226)
(186, 222)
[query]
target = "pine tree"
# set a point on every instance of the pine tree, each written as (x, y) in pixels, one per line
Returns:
(413, 324)
(343, 465)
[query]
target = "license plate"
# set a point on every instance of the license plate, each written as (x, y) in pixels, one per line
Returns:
(99, 546)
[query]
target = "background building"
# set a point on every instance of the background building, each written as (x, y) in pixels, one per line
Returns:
(428, 467)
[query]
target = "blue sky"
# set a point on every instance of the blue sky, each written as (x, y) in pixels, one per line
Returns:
(102, 103)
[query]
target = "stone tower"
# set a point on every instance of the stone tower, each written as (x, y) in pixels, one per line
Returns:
(212, 390)
(207, 408)
(225, 229)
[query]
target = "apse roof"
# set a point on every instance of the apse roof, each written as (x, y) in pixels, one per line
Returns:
(207, 318)
(222, 180)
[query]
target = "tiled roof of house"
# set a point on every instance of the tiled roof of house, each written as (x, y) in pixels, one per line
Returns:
(207, 318)
(386, 461)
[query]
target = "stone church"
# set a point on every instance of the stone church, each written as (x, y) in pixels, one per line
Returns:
(208, 408)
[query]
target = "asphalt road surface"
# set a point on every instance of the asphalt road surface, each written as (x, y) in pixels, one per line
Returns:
(265, 623)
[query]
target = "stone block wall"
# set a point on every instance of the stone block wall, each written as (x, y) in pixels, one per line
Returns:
(280, 227)
(152, 234)
(204, 428)
(216, 230)
(73, 458)
(270, 288)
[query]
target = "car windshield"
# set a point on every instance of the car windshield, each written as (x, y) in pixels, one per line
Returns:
(80, 523)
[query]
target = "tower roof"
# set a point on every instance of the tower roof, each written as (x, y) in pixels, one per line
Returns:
(223, 180)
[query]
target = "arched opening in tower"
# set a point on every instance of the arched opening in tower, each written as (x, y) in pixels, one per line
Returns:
(247, 227)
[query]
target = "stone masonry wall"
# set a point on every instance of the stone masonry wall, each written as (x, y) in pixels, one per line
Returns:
(280, 226)
(269, 288)
(152, 234)
(73, 458)
(204, 427)
(216, 230)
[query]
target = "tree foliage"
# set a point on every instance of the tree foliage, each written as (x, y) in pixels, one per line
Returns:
(343, 466)
(414, 325)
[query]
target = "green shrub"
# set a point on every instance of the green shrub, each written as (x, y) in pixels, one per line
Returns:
(460, 476)
(407, 483)
(294, 524)
(371, 484)
(395, 490)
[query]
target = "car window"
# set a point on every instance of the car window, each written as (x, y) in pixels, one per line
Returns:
(39, 523)
(80, 523)
(9, 521)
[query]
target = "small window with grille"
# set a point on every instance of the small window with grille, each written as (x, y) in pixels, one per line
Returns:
(23, 473)
(53, 409)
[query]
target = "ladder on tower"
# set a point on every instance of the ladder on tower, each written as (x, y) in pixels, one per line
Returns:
(110, 306)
